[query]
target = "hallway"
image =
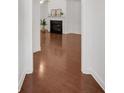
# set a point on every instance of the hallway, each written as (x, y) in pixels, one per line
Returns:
(57, 67)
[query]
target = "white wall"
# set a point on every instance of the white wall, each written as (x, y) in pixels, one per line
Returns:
(25, 40)
(43, 10)
(21, 41)
(72, 14)
(36, 25)
(56, 4)
(94, 40)
(73, 18)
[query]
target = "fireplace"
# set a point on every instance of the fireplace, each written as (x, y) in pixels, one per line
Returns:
(56, 26)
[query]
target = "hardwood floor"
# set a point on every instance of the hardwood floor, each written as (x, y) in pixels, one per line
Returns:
(57, 68)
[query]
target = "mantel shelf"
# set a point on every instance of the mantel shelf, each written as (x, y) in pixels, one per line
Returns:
(57, 17)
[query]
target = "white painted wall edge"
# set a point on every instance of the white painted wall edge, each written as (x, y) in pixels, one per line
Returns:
(84, 68)
(96, 77)
(30, 70)
(21, 81)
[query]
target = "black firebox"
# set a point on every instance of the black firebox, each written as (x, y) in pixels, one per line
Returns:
(56, 26)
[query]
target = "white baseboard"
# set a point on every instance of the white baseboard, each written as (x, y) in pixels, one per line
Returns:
(36, 50)
(71, 33)
(97, 78)
(30, 71)
(85, 71)
(21, 81)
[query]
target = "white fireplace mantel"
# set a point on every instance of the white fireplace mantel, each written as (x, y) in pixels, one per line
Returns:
(56, 18)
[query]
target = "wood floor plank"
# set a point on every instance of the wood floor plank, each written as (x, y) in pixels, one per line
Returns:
(57, 67)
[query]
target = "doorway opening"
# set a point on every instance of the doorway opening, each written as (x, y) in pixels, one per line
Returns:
(63, 25)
